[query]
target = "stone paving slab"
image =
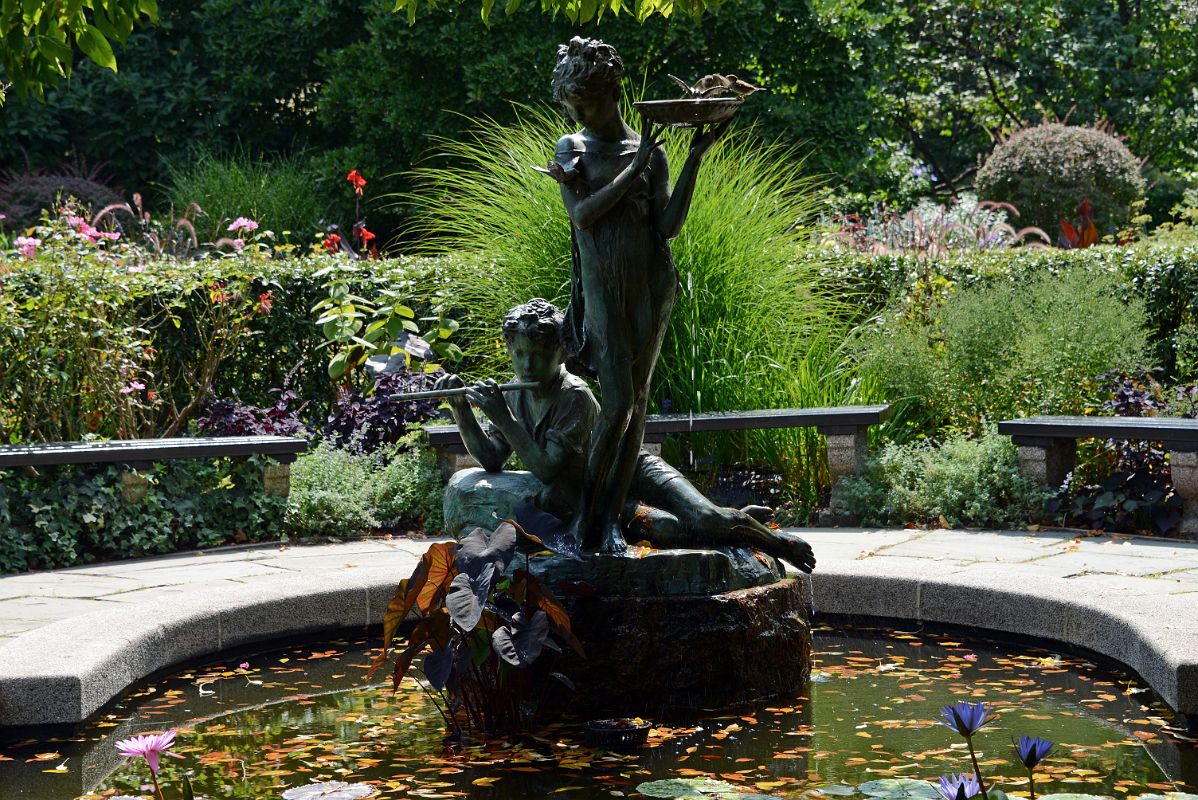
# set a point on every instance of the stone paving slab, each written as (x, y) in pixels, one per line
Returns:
(1130, 598)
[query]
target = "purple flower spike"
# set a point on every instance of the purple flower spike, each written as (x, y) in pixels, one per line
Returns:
(964, 717)
(1032, 751)
(958, 787)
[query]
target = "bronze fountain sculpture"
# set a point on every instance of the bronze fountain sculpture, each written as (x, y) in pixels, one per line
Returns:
(710, 581)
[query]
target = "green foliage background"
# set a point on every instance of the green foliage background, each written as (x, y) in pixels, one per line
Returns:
(891, 99)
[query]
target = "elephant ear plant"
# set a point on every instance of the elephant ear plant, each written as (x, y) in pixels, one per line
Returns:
(479, 628)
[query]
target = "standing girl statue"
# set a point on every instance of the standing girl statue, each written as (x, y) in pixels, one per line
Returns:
(616, 188)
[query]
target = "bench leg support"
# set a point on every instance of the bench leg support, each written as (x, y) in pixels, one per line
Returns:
(846, 456)
(276, 479)
(453, 462)
(1048, 464)
(134, 486)
(1184, 467)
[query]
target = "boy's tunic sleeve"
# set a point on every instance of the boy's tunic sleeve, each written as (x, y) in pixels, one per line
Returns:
(572, 420)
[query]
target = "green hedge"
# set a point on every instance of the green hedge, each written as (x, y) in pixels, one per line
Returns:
(1165, 277)
(77, 329)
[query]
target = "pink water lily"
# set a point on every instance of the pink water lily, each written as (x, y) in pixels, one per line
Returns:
(148, 746)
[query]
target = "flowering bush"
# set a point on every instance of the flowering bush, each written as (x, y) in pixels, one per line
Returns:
(964, 482)
(106, 339)
(930, 230)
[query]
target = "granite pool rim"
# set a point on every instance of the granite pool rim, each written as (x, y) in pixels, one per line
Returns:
(67, 670)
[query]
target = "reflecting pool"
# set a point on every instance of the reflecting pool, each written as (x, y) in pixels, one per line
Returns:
(253, 726)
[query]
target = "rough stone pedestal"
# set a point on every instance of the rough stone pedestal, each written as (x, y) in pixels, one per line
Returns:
(276, 479)
(134, 486)
(1184, 467)
(475, 498)
(846, 456)
(1046, 461)
(664, 633)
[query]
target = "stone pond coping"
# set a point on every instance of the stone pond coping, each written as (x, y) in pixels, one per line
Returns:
(1134, 600)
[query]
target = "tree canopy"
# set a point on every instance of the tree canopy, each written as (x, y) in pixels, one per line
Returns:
(40, 37)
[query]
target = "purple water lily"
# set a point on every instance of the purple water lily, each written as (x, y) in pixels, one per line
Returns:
(958, 787)
(964, 717)
(1032, 750)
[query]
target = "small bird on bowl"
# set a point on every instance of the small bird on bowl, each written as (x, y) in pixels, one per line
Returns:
(716, 84)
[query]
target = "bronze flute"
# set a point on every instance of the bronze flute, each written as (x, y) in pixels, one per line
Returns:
(459, 391)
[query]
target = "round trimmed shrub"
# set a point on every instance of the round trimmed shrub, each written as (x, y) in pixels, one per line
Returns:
(1047, 170)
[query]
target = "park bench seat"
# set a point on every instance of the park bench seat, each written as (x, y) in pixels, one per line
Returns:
(138, 453)
(845, 426)
(1048, 449)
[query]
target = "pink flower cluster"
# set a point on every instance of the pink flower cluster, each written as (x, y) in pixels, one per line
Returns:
(80, 226)
(132, 386)
(243, 224)
(27, 245)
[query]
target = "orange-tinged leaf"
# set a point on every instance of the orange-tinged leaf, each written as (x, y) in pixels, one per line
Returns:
(439, 561)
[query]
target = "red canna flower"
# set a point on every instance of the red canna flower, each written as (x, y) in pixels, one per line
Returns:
(363, 234)
(332, 242)
(264, 301)
(358, 182)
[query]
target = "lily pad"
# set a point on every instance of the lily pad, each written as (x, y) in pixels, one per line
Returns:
(899, 788)
(686, 787)
(1168, 796)
(329, 790)
(836, 790)
(1072, 796)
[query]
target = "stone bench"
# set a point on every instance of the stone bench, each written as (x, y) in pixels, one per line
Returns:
(139, 453)
(1048, 449)
(844, 426)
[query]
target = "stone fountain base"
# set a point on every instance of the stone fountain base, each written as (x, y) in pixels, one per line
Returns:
(680, 630)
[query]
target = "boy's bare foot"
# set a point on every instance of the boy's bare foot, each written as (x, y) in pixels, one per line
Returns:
(612, 542)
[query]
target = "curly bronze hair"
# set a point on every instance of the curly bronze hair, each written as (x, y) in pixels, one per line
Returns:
(538, 319)
(586, 66)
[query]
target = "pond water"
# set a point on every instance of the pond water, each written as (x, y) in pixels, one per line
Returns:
(303, 714)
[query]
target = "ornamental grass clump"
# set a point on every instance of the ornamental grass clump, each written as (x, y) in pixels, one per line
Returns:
(1004, 347)
(753, 326)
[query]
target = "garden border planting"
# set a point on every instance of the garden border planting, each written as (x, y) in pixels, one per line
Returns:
(1105, 594)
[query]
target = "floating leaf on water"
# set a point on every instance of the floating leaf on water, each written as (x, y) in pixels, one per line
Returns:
(1073, 796)
(329, 790)
(1168, 796)
(837, 790)
(898, 788)
(686, 788)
